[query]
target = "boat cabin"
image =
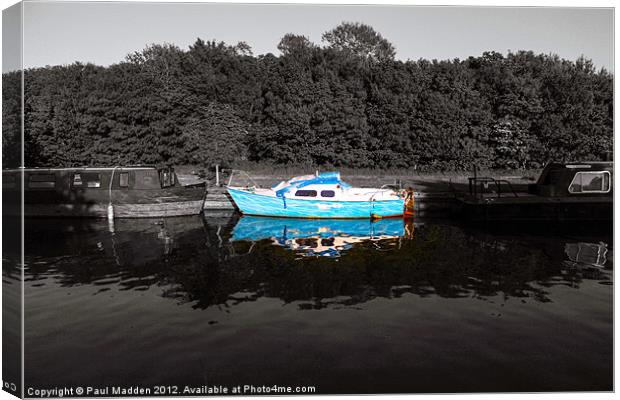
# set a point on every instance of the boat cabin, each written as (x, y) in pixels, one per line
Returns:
(90, 179)
(328, 186)
(323, 186)
(574, 180)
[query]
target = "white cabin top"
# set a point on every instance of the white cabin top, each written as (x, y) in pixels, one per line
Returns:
(326, 187)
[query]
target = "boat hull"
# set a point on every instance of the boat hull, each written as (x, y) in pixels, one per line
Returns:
(101, 211)
(261, 205)
(154, 210)
(94, 203)
(589, 209)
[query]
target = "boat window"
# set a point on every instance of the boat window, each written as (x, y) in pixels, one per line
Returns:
(305, 193)
(591, 182)
(328, 193)
(8, 181)
(87, 179)
(311, 242)
(167, 178)
(77, 180)
(328, 241)
(123, 180)
(146, 179)
(42, 181)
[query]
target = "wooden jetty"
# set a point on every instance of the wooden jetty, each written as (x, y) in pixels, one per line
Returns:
(218, 203)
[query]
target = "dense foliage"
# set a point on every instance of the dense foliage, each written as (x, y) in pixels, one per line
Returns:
(347, 103)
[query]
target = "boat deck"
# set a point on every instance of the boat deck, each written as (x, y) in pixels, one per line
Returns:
(529, 198)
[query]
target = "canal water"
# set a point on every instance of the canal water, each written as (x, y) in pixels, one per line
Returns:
(344, 306)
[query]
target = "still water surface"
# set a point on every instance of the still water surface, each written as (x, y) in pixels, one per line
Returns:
(345, 306)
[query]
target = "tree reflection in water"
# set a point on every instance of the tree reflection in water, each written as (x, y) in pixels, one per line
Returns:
(201, 261)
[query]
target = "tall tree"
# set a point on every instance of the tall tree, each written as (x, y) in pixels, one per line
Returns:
(361, 40)
(296, 45)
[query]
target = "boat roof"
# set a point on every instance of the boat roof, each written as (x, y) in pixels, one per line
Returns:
(42, 169)
(325, 178)
(589, 164)
(579, 166)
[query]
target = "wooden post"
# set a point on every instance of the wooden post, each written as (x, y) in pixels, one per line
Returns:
(217, 175)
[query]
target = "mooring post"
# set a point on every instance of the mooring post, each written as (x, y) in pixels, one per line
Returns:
(217, 175)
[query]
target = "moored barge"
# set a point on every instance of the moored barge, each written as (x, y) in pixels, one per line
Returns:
(113, 192)
(563, 193)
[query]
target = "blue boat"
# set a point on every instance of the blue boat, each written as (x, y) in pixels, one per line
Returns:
(312, 237)
(318, 196)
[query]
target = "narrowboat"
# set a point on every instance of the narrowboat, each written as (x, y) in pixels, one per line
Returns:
(564, 192)
(112, 192)
(317, 237)
(318, 196)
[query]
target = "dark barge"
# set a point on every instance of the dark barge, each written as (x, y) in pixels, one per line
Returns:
(112, 192)
(563, 193)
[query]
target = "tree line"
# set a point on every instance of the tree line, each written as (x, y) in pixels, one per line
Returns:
(347, 102)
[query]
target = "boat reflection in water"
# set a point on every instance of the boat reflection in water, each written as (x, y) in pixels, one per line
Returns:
(321, 238)
(589, 261)
(593, 254)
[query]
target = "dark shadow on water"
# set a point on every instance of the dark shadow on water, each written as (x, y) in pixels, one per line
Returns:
(11, 304)
(316, 263)
(352, 307)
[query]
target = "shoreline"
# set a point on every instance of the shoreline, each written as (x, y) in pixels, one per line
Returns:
(426, 182)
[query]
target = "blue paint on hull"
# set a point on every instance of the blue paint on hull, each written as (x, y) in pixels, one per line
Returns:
(256, 204)
(258, 228)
